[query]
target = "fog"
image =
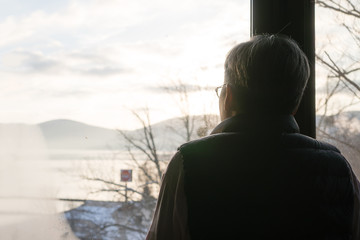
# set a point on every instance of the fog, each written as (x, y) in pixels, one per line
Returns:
(27, 210)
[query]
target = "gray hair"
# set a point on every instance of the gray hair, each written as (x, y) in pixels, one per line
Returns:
(270, 71)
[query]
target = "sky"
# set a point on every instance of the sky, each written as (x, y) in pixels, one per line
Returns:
(97, 61)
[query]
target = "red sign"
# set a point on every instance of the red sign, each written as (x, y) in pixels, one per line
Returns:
(126, 175)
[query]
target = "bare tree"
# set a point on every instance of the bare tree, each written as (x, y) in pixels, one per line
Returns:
(152, 167)
(149, 160)
(208, 123)
(180, 92)
(347, 7)
(143, 149)
(143, 152)
(195, 126)
(148, 165)
(343, 69)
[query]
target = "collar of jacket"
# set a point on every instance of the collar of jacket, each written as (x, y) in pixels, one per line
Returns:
(252, 123)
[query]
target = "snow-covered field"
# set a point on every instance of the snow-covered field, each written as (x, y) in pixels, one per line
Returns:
(93, 220)
(111, 220)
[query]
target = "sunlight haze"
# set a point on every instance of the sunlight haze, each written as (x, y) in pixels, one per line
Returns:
(96, 61)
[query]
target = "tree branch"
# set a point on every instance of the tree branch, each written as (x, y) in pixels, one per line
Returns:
(336, 70)
(346, 143)
(337, 7)
(114, 184)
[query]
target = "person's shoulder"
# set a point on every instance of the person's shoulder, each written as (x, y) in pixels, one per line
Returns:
(322, 155)
(300, 141)
(207, 141)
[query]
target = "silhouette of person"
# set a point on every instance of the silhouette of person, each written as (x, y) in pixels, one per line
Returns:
(255, 176)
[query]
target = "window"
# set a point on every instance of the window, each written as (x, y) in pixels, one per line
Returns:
(73, 73)
(337, 56)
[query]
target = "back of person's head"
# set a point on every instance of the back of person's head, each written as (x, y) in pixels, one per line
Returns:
(269, 72)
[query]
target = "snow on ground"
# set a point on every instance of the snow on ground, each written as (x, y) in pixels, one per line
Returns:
(99, 220)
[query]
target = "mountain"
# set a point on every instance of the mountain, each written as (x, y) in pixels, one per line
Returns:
(168, 134)
(68, 134)
(171, 133)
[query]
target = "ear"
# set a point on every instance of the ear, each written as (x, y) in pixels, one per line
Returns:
(229, 103)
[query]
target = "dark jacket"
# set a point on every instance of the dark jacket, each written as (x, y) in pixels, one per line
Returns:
(258, 178)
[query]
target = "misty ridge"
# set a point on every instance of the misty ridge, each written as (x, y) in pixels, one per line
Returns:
(66, 134)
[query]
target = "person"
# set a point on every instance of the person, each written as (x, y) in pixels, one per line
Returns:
(255, 176)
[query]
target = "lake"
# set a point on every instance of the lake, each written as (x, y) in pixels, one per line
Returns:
(34, 181)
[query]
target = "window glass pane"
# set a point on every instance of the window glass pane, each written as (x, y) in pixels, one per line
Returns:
(81, 84)
(338, 71)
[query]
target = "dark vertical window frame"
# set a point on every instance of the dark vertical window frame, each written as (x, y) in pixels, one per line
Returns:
(295, 18)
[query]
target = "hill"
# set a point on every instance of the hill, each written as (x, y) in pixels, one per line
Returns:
(168, 134)
(68, 134)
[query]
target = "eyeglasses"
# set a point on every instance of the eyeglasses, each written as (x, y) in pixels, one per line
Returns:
(218, 89)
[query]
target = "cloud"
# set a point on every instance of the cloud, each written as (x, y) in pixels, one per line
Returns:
(26, 61)
(146, 35)
(94, 55)
(80, 23)
(64, 93)
(40, 63)
(102, 71)
(71, 63)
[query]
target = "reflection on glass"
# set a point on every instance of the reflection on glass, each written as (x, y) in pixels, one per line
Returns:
(90, 88)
